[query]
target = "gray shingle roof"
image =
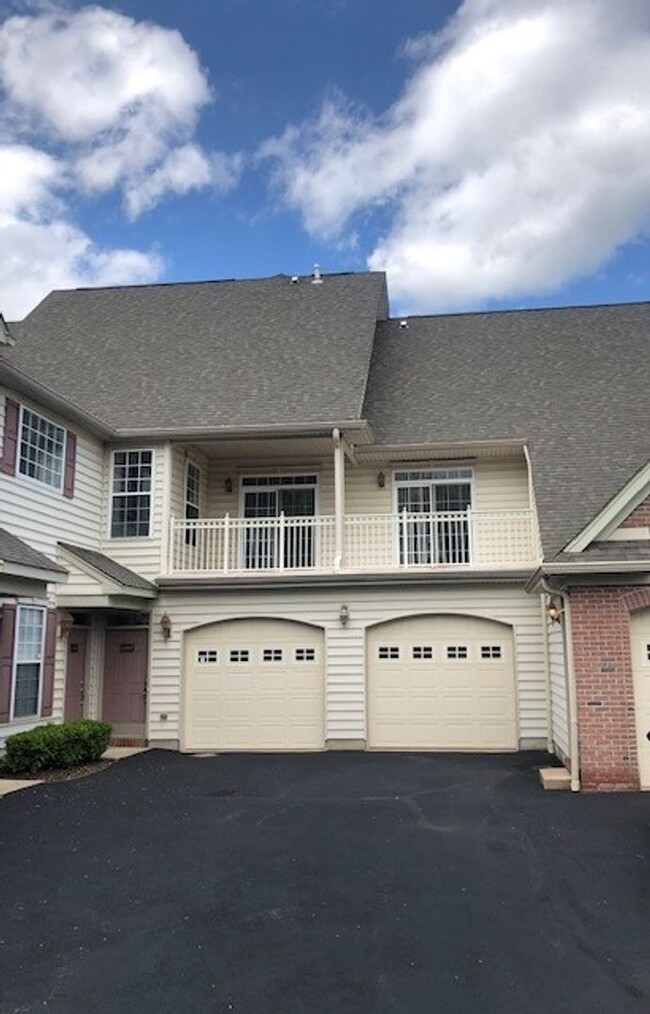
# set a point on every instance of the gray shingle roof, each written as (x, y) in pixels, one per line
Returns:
(113, 570)
(207, 354)
(609, 552)
(14, 550)
(575, 383)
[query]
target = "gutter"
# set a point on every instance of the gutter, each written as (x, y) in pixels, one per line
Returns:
(199, 433)
(599, 567)
(567, 638)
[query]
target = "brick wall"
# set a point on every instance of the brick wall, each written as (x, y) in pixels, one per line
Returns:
(604, 684)
(640, 517)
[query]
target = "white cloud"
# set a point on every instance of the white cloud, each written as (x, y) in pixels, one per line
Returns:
(92, 102)
(515, 159)
(38, 257)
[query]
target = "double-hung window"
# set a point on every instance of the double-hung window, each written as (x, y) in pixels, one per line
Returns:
(192, 499)
(131, 494)
(443, 497)
(41, 452)
(28, 661)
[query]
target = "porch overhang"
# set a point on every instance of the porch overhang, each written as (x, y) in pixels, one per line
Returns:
(241, 582)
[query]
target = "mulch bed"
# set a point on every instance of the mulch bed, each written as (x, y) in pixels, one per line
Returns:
(60, 774)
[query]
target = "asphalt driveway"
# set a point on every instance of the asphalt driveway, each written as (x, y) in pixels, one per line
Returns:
(338, 883)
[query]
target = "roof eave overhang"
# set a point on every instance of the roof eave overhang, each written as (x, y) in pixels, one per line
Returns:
(359, 428)
(24, 384)
(619, 507)
(40, 574)
(108, 586)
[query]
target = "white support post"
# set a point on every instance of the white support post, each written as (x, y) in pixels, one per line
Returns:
(281, 539)
(339, 499)
(226, 543)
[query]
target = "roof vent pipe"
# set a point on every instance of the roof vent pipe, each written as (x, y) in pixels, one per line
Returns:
(294, 279)
(403, 325)
(317, 278)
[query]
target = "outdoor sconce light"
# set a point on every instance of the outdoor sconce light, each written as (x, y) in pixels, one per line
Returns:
(166, 626)
(344, 616)
(228, 484)
(66, 623)
(381, 480)
(554, 612)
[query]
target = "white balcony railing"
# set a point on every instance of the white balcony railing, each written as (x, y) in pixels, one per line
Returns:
(371, 542)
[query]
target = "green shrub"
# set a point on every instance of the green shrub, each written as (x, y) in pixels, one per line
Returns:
(56, 746)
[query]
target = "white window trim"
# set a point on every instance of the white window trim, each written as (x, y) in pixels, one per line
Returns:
(111, 494)
(27, 719)
(268, 473)
(30, 479)
(407, 483)
(186, 502)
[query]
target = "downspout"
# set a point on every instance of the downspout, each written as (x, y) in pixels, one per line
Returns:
(339, 497)
(567, 635)
(573, 695)
(547, 672)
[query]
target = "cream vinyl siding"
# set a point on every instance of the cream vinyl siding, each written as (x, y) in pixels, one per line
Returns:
(498, 485)
(640, 631)
(42, 516)
(143, 554)
(559, 690)
(345, 646)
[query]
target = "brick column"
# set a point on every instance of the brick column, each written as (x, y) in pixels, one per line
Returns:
(605, 688)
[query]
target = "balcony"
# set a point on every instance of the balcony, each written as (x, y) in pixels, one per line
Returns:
(356, 543)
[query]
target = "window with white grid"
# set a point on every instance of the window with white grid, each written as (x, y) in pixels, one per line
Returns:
(239, 655)
(28, 656)
(422, 652)
(272, 655)
(388, 651)
(42, 449)
(131, 496)
(305, 655)
(208, 656)
(457, 651)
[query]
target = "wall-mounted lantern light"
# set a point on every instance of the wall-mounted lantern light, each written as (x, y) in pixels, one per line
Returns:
(66, 623)
(228, 484)
(554, 611)
(344, 616)
(166, 626)
(381, 480)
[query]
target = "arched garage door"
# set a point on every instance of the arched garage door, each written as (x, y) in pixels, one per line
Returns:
(254, 685)
(441, 683)
(640, 624)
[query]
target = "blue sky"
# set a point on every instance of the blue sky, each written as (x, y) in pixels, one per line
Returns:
(490, 153)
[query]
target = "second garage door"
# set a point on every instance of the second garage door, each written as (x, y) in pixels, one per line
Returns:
(441, 683)
(254, 685)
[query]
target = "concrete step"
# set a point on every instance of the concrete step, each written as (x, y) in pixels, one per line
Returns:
(555, 779)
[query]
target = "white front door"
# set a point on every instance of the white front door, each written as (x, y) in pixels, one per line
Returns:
(640, 629)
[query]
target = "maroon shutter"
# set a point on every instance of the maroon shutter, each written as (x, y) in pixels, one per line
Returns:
(10, 449)
(48, 664)
(70, 465)
(7, 632)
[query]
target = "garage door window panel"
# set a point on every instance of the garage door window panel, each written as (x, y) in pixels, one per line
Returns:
(387, 653)
(422, 653)
(237, 656)
(457, 652)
